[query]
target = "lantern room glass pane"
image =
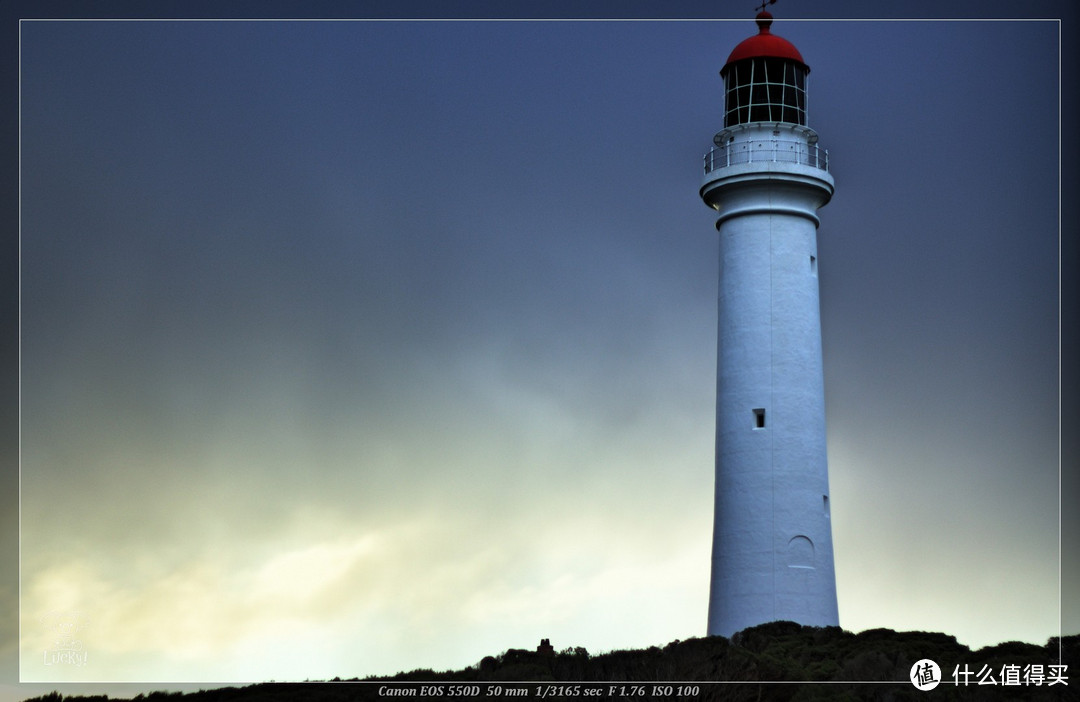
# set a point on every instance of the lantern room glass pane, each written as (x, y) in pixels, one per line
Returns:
(776, 93)
(774, 70)
(758, 94)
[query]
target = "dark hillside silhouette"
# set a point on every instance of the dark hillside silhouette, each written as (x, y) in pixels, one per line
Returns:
(779, 661)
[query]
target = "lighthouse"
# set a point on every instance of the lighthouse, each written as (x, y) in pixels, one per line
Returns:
(766, 177)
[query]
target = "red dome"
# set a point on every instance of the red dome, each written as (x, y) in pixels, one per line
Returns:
(765, 44)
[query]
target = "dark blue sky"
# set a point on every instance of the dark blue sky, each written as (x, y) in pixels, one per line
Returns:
(390, 327)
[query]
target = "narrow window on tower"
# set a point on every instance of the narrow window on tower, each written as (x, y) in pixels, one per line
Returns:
(813, 265)
(825, 499)
(759, 418)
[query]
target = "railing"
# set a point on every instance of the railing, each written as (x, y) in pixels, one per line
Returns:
(763, 150)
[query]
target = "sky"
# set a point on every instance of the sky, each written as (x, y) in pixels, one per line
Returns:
(349, 348)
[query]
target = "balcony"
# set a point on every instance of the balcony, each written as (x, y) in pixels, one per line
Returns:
(765, 151)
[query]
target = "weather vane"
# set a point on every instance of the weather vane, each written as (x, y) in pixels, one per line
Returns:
(762, 5)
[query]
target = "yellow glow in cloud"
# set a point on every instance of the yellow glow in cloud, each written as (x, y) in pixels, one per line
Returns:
(190, 614)
(346, 602)
(302, 575)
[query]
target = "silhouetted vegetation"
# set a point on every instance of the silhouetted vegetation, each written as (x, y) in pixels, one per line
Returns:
(781, 661)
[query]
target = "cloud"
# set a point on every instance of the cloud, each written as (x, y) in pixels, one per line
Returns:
(224, 614)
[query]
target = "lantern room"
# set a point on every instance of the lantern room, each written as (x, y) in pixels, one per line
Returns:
(765, 79)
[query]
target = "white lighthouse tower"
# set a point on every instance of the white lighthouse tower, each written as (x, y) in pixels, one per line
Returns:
(766, 178)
